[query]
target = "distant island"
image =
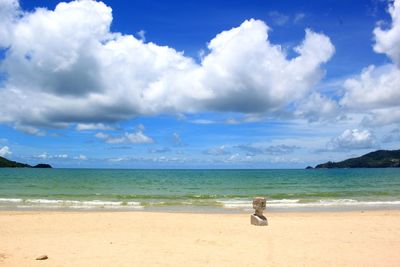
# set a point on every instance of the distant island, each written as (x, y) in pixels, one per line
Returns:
(377, 159)
(5, 163)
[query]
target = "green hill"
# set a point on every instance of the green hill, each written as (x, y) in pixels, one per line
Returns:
(377, 159)
(5, 163)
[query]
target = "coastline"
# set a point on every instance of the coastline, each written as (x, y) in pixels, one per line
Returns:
(351, 238)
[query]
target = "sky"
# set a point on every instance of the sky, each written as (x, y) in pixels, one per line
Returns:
(198, 84)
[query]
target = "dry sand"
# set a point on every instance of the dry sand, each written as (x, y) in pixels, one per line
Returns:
(369, 238)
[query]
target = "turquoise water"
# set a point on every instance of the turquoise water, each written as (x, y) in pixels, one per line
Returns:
(198, 190)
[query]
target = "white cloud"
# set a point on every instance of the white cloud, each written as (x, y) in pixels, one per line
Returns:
(9, 11)
(376, 87)
(248, 118)
(202, 121)
(317, 107)
(298, 17)
(29, 130)
(217, 151)
(388, 41)
(45, 155)
(235, 157)
(5, 151)
(120, 159)
(278, 18)
(232, 121)
(160, 150)
(376, 91)
(137, 137)
(80, 157)
(254, 149)
(382, 117)
(353, 139)
(65, 66)
(102, 135)
(93, 126)
(142, 35)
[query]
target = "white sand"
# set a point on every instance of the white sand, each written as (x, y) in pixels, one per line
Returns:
(175, 239)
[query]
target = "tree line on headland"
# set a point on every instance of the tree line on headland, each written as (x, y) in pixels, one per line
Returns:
(5, 163)
(376, 159)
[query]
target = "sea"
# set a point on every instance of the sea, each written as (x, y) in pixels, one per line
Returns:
(219, 191)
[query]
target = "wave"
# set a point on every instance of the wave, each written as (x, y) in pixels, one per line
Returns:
(240, 204)
(297, 203)
(74, 204)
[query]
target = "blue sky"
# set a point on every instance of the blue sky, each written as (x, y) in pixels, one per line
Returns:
(198, 84)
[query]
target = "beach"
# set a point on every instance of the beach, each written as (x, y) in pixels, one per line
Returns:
(354, 238)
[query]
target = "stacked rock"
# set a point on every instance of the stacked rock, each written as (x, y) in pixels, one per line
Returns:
(259, 204)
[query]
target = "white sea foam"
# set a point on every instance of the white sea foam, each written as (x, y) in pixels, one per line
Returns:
(282, 201)
(75, 204)
(237, 204)
(296, 203)
(337, 203)
(247, 204)
(11, 200)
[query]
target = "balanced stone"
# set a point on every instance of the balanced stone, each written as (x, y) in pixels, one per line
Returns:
(259, 205)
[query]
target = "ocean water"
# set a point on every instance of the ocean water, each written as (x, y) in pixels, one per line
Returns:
(198, 190)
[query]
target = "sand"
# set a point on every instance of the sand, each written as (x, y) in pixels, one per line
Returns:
(370, 238)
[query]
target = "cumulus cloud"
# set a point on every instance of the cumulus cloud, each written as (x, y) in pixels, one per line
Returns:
(353, 139)
(45, 155)
(137, 137)
(5, 151)
(80, 157)
(29, 129)
(102, 135)
(388, 41)
(202, 121)
(253, 149)
(65, 66)
(9, 13)
(160, 150)
(217, 151)
(317, 107)
(377, 89)
(93, 126)
(278, 18)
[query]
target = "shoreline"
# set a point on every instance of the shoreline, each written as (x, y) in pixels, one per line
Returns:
(212, 213)
(190, 210)
(238, 205)
(140, 238)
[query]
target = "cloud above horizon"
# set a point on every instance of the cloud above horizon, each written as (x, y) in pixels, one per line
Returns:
(376, 90)
(65, 66)
(136, 137)
(353, 139)
(5, 151)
